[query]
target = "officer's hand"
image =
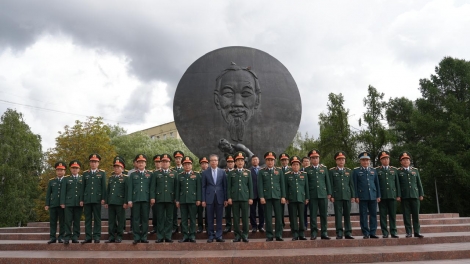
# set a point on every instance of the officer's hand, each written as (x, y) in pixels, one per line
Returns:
(332, 199)
(177, 205)
(357, 200)
(105, 206)
(399, 199)
(287, 201)
(378, 200)
(353, 200)
(262, 201)
(328, 196)
(250, 201)
(46, 208)
(306, 201)
(283, 200)
(198, 203)
(81, 204)
(62, 206)
(421, 198)
(203, 204)
(124, 206)
(152, 202)
(102, 202)
(229, 201)
(225, 204)
(129, 204)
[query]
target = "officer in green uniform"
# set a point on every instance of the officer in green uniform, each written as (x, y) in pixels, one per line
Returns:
(157, 159)
(117, 201)
(272, 195)
(343, 194)
(297, 196)
(163, 194)
(188, 198)
(284, 160)
(390, 191)
(94, 195)
(178, 156)
(319, 192)
(53, 203)
(139, 194)
(411, 194)
(204, 163)
(240, 195)
(228, 209)
(71, 200)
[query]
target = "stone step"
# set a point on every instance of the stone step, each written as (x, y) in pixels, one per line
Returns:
(291, 255)
(286, 233)
(254, 244)
(44, 226)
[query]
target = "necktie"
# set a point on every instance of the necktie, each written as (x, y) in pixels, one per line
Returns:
(214, 175)
(256, 170)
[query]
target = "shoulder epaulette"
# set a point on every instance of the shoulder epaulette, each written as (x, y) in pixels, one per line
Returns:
(51, 179)
(347, 168)
(401, 168)
(246, 169)
(277, 168)
(289, 172)
(67, 176)
(333, 168)
(393, 167)
(101, 170)
(356, 168)
(413, 168)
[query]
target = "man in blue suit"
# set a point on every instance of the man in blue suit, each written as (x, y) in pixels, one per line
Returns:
(256, 200)
(214, 197)
(366, 184)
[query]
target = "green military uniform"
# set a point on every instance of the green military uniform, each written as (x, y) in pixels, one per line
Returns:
(94, 191)
(228, 208)
(342, 186)
(319, 189)
(56, 213)
(71, 196)
(389, 190)
(116, 199)
(411, 189)
(139, 194)
(175, 210)
(188, 192)
(154, 206)
(240, 191)
(297, 192)
(271, 187)
(200, 209)
(284, 170)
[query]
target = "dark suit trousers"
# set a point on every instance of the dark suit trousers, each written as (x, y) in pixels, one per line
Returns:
(368, 207)
(72, 218)
(216, 207)
(256, 204)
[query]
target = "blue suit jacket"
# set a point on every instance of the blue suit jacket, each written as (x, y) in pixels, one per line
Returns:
(254, 177)
(210, 188)
(366, 184)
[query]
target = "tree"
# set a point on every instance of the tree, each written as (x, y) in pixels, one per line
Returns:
(374, 137)
(20, 165)
(335, 132)
(301, 145)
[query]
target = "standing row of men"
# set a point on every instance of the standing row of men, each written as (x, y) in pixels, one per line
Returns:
(265, 190)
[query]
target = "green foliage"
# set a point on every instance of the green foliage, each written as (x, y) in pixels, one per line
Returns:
(301, 145)
(20, 165)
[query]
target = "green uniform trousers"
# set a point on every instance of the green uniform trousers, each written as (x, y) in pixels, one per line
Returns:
(276, 206)
(140, 219)
(188, 212)
(296, 211)
(242, 207)
(228, 216)
(56, 214)
(92, 211)
(411, 206)
(201, 215)
(116, 221)
(314, 205)
(343, 209)
(283, 209)
(175, 217)
(388, 207)
(154, 217)
(165, 220)
(72, 217)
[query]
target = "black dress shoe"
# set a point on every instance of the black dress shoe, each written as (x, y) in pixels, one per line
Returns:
(245, 239)
(302, 238)
(262, 230)
(395, 236)
(295, 238)
(183, 240)
(339, 237)
(408, 235)
(144, 241)
(60, 241)
(227, 229)
(210, 240)
(130, 232)
(313, 237)
(269, 239)
(349, 237)
(199, 231)
(135, 242)
(192, 240)
(236, 240)
(97, 241)
(109, 241)
(66, 242)
(221, 240)
(174, 231)
(279, 239)
(168, 241)
(253, 230)
(118, 241)
(365, 237)
(385, 236)
(419, 235)
(75, 241)
(325, 237)
(152, 232)
(86, 241)
(374, 236)
(51, 241)
(159, 241)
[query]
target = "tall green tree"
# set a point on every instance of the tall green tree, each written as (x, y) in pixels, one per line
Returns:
(20, 165)
(335, 132)
(373, 136)
(301, 145)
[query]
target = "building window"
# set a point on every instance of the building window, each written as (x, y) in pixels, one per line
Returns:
(152, 137)
(171, 134)
(164, 136)
(158, 137)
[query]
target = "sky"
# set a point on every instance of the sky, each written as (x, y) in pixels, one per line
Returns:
(62, 61)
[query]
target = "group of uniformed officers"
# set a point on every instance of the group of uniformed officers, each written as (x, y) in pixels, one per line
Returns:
(300, 186)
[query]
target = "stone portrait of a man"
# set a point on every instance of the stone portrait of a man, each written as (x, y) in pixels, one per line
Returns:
(237, 96)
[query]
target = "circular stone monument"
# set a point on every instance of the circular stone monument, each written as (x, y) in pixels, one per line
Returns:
(237, 98)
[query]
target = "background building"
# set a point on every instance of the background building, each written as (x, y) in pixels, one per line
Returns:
(164, 131)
